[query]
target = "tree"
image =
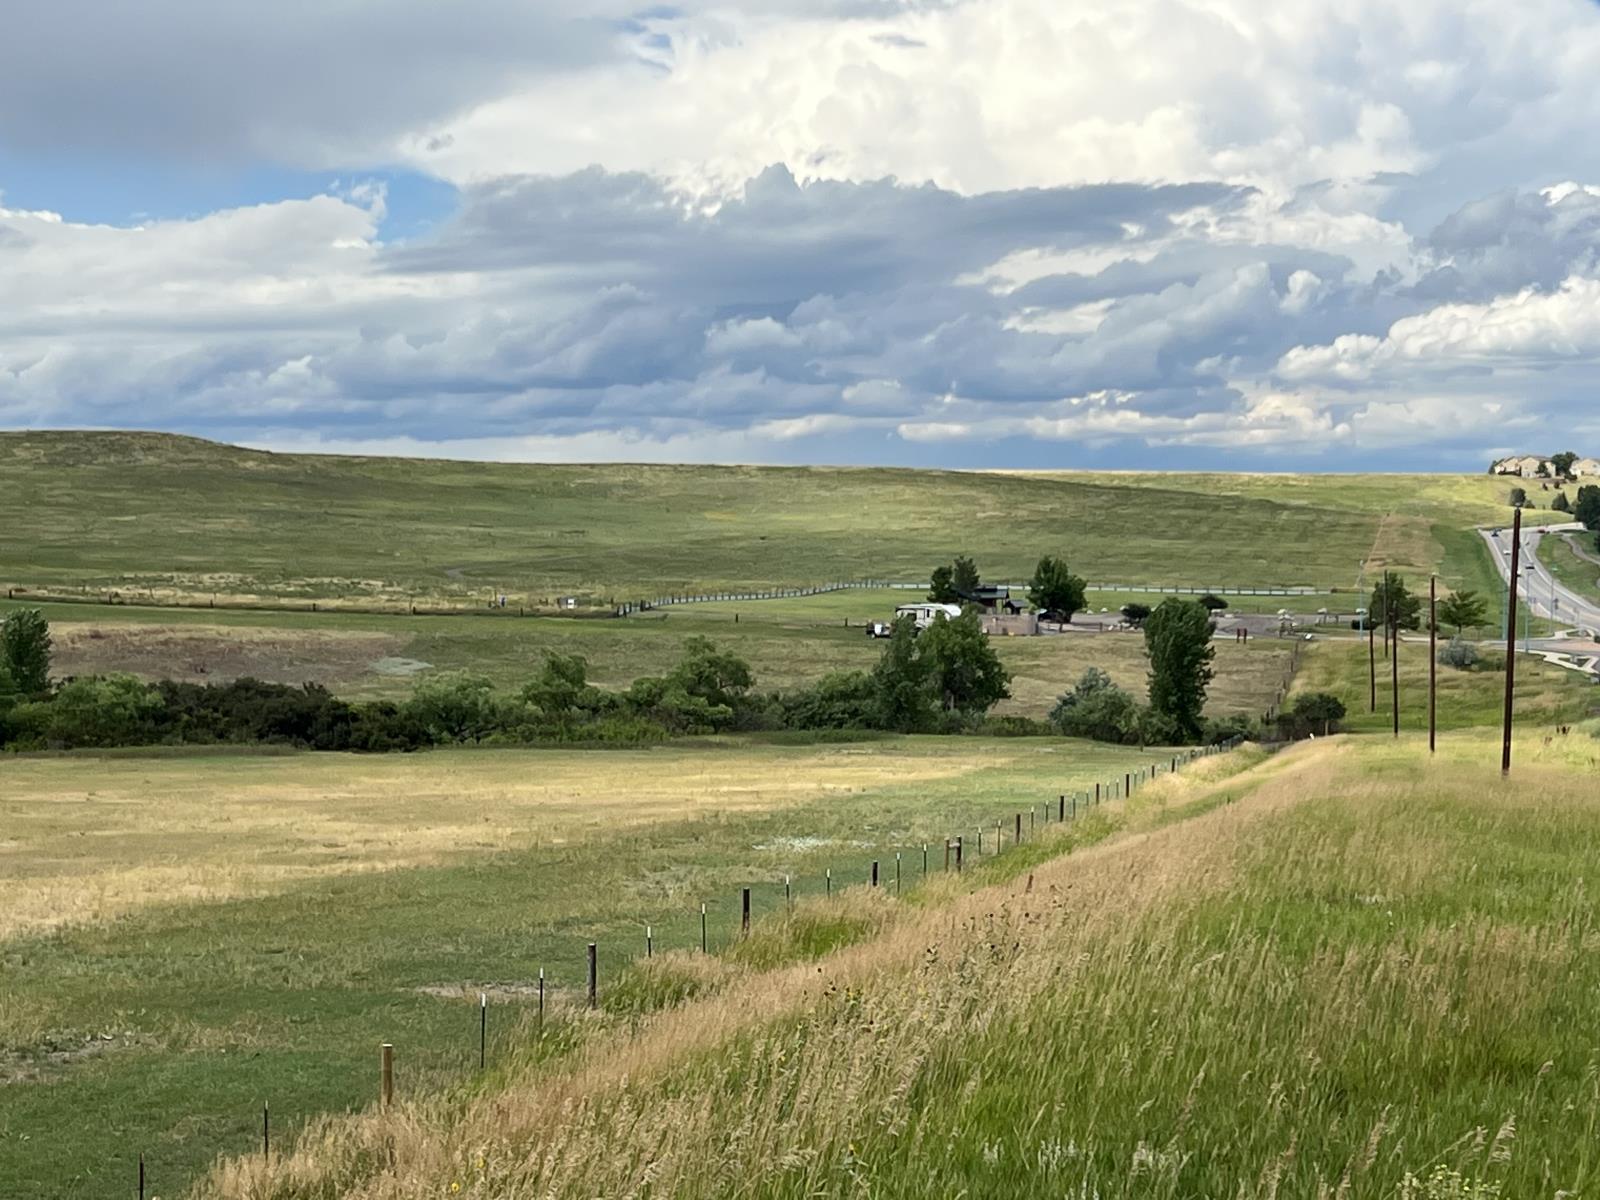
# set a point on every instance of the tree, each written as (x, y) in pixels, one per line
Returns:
(1055, 591)
(1561, 504)
(1587, 509)
(1177, 638)
(458, 707)
(1544, 471)
(1563, 463)
(25, 651)
(1097, 708)
(1519, 497)
(965, 578)
(1393, 604)
(964, 672)
(1214, 604)
(719, 677)
(1463, 609)
(942, 589)
(1135, 614)
(1311, 712)
(900, 681)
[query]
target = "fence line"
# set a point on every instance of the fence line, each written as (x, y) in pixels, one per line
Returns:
(525, 606)
(879, 585)
(1103, 793)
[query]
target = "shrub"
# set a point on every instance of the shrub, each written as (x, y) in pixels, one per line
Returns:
(114, 710)
(1460, 654)
(841, 700)
(458, 707)
(1097, 708)
(1313, 712)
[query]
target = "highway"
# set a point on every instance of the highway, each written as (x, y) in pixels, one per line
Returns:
(1538, 589)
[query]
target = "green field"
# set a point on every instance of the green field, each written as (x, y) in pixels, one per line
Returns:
(152, 516)
(1351, 970)
(186, 937)
(370, 656)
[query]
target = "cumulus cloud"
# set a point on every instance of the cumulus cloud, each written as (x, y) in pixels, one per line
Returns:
(969, 231)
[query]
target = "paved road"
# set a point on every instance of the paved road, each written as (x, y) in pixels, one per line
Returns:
(1539, 589)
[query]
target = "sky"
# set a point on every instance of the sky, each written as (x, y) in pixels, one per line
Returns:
(1135, 234)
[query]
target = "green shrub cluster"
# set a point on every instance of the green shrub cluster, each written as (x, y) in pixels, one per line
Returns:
(945, 679)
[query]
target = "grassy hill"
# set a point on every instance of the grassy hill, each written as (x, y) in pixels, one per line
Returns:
(1348, 971)
(163, 516)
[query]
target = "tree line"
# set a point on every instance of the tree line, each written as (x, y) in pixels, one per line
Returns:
(946, 678)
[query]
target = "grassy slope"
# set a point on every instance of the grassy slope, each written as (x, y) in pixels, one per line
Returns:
(128, 511)
(1352, 965)
(1545, 695)
(188, 937)
(1575, 571)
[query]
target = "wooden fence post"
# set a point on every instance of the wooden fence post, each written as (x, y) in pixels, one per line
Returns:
(744, 915)
(594, 977)
(386, 1073)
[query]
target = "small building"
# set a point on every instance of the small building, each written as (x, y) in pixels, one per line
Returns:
(928, 612)
(1011, 624)
(992, 598)
(1586, 468)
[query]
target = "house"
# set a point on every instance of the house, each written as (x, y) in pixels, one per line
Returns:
(1525, 465)
(1586, 468)
(926, 613)
(992, 597)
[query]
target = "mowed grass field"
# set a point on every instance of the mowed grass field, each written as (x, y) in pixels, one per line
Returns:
(372, 656)
(154, 515)
(1351, 970)
(186, 937)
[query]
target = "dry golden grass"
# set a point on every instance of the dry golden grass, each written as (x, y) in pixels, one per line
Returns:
(1317, 986)
(90, 839)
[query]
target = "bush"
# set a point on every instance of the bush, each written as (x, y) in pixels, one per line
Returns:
(1013, 726)
(1312, 713)
(459, 707)
(842, 700)
(1460, 654)
(1097, 708)
(114, 710)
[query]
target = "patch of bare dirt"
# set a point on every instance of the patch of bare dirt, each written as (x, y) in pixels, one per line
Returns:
(220, 653)
(58, 1052)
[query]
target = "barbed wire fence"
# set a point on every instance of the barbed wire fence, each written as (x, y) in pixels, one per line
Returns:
(955, 855)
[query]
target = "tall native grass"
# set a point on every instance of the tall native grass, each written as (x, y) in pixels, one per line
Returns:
(1358, 974)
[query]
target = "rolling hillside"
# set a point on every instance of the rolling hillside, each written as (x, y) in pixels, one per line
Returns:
(165, 517)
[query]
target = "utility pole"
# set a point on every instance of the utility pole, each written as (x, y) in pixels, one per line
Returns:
(1394, 665)
(1511, 640)
(1433, 665)
(1372, 660)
